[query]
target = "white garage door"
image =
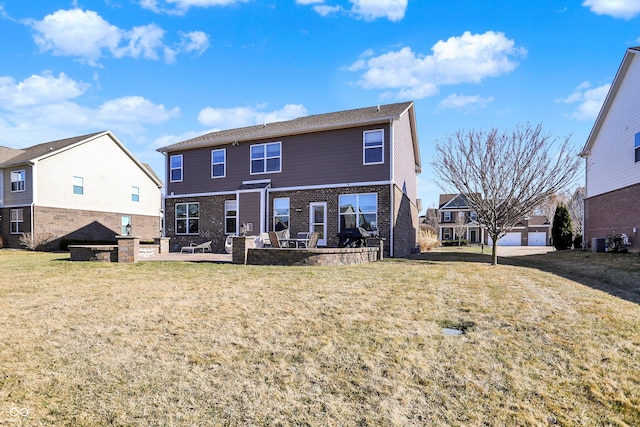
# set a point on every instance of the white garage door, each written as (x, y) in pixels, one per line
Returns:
(537, 238)
(510, 239)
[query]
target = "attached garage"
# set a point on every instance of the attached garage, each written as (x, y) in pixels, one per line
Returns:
(537, 238)
(510, 239)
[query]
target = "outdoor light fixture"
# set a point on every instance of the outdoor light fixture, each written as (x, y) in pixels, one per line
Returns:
(128, 229)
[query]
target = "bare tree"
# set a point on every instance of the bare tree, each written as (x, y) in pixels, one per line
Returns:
(505, 175)
(576, 209)
(460, 225)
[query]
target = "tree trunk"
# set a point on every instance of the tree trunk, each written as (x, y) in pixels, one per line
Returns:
(494, 251)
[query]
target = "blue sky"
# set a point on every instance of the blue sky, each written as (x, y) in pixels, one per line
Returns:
(157, 72)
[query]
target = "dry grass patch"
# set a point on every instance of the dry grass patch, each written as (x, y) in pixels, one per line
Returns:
(205, 344)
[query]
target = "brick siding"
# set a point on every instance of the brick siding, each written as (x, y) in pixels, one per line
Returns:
(614, 212)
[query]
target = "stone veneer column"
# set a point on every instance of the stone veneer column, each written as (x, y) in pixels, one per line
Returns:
(163, 244)
(241, 246)
(128, 248)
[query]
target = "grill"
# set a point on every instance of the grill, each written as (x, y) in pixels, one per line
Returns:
(353, 237)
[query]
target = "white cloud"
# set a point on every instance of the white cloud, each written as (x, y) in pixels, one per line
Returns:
(589, 101)
(39, 90)
(86, 36)
(229, 118)
(393, 10)
(168, 139)
(464, 102)
(625, 9)
(469, 58)
(43, 108)
(180, 7)
(369, 10)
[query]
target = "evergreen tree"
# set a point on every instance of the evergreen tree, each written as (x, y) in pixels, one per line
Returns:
(562, 230)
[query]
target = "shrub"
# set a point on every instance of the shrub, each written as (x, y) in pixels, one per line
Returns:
(577, 242)
(37, 241)
(562, 231)
(463, 242)
(427, 240)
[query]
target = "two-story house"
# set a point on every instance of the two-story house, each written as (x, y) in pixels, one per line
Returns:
(457, 217)
(88, 187)
(612, 154)
(324, 173)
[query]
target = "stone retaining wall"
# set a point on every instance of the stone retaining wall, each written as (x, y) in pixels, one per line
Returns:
(320, 256)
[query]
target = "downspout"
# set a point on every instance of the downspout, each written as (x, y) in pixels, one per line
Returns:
(164, 198)
(392, 185)
(33, 198)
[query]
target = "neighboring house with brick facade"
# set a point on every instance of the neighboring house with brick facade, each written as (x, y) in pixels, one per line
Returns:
(316, 173)
(87, 187)
(455, 212)
(612, 153)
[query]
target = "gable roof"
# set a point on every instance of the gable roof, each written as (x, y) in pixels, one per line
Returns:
(36, 151)
(629, 56)
(306, 124)
(39, 151)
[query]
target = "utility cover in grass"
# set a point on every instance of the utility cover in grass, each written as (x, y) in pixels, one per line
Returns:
(450, 331)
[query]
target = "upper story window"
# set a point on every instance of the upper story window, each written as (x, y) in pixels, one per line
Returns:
(187, 218)
(218, 161)
(637, 145)
(373, 147)
(17, 180)
(78, 185)
(281, 213)
(473, 216)
(230, 217)
(175, 166)
(266, 158)
(135, 194)
(446, 216)
(358, 210)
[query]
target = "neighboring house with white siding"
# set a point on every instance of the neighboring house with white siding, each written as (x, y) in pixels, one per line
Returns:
(322, 173)
(612, 153)
(87, 188)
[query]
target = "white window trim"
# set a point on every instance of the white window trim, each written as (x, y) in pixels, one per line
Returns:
(187, 218)
(73, 187)
(23, 181)
(274, 211)
(445, 215)
(357, 212)
(171, 169)
(226, 216)
(365, 148)
(265, 158)
(135, 192)
(16, 221)
(223, 163)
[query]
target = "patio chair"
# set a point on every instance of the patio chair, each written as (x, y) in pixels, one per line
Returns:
(192, 248)
(313, 240)
(302, 239)
(273, 239)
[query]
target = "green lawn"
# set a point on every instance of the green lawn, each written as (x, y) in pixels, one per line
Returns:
(549, 339)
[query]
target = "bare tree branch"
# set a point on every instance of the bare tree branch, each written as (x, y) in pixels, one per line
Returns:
(505, 175)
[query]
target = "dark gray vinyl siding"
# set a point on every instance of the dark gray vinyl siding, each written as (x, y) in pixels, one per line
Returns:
(322, 158)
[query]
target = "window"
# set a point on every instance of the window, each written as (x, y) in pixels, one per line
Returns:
(187, 218)
(218, 158)
(175, 166)
(78, 185)
(358, 210)
(446, 233)
(473, 216)
(373, 143)
(17, 221)
(230, 217)
(266, 158)
(125, 220)
(281, 214)
(446, 216)
(637, 145)
(135, 194)
(17, 180)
